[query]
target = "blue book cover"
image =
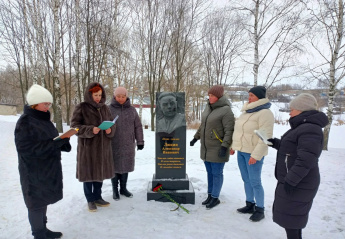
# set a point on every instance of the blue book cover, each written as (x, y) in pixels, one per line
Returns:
(107, 124)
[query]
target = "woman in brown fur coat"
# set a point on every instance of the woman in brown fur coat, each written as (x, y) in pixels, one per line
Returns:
(94, 156)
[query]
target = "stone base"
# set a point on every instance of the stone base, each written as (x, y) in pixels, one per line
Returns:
(172, 184)
(180, 196)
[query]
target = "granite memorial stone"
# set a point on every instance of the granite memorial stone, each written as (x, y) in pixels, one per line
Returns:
(171, 149)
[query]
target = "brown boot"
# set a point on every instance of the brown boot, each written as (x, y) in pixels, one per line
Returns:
(102, 203)
(92, 206)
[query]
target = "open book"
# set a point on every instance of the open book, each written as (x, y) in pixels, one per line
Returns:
(262, 135)
(107, 124)
(67, 134)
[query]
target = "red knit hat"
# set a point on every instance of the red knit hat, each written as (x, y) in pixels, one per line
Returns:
(217, 91)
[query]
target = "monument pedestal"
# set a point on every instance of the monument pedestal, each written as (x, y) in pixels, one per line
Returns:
(181, 190)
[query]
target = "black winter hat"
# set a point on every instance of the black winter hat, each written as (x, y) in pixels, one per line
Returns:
(259, 91)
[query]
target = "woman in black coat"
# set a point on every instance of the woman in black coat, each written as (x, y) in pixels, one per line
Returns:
(297, 169)
(39, 158)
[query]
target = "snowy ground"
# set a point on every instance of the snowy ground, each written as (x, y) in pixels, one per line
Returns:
(138, 218)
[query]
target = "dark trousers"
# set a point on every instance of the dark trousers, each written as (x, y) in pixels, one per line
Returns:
(293, 233)
(38, 219)
(93, 191)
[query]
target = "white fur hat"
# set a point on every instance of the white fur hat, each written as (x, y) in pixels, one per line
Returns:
(38, 94)
(304, 102)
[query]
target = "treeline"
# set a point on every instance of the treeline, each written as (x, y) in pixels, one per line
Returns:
(150, 46)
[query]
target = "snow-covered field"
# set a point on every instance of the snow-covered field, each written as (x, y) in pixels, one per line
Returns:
(138, 218)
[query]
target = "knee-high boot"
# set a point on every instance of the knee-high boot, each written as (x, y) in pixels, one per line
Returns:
(123, 186)
(115, 183)
(49, 233)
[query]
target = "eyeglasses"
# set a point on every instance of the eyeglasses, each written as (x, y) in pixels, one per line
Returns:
(47, 105)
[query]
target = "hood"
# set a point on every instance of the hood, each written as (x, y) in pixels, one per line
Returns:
(116, 104)
(222, 101)
(312, 116)
(88, 95)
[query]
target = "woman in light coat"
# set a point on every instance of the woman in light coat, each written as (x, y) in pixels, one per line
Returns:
(256, 115)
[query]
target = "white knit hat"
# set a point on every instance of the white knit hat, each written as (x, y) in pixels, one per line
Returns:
(38, 94)
(304, 102)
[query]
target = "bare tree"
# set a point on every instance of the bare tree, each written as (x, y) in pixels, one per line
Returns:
(184, 19)
(274, 32)
(222, 45)
(13, 39)
(152, 32)
(327, 20)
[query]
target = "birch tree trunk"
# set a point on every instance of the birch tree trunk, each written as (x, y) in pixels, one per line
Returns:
(256, 43)
(79, 85)
(29, 35)
(333, 64)
(56, 64)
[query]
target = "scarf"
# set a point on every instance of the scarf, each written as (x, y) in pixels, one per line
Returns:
(260, 107)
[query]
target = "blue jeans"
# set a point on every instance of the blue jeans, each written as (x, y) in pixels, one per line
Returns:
(93, 191)
(251, 176)
(214, 178)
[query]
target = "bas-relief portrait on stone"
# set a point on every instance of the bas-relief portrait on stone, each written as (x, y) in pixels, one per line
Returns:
(168, 111)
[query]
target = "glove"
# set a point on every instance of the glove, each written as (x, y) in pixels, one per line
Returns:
(222, 152)
(66, 147)
(140, 147)
(275, 143)
(193, 142)
(63, 144)
(288, 188)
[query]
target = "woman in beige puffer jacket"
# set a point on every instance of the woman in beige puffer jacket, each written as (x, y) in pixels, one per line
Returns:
(256, 115)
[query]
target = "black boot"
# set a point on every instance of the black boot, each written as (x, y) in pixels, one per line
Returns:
(123, 186)
(213, 202)
(115, 183)
(249, 208)
(207, 201)
(39, 234)
(258, 215)
(50, 234)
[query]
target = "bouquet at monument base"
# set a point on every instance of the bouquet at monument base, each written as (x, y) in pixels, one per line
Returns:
(159, 189)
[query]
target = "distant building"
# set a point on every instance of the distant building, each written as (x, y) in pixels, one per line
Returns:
(7, 109)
